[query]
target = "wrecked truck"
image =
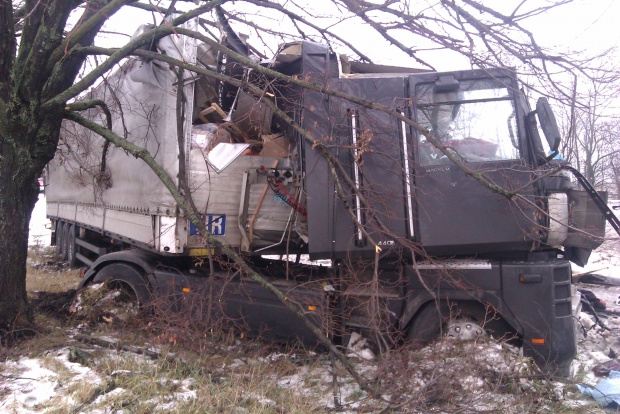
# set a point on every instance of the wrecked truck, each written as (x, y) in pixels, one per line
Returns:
(409, 245)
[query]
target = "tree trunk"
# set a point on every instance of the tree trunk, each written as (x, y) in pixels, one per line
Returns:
(18, 195)
(28, 141)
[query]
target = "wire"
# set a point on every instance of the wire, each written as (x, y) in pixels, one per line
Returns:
(282, 193)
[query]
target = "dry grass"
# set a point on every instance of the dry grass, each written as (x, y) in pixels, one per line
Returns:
(46, 274)
(187, 388)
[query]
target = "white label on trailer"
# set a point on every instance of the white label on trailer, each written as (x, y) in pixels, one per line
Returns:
(167, 234)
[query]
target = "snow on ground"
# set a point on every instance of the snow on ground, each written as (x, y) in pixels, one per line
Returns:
(38, 385)
(30, 385)
(40, 226)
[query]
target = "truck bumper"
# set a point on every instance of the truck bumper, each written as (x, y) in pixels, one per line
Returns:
(544, 302)
(536, 298)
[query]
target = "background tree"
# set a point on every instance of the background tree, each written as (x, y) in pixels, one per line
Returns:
(591, 127)
(46, 61)
(613, 135)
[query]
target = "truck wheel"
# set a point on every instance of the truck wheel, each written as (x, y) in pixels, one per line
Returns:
(56, 237)
(61, 244)
(127, 292)
(426, 325)
(459, 320)
(65, 238)
(71, 247)
(58, 231)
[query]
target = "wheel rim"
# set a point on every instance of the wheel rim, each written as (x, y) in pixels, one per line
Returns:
(464, 330)
(449, 320)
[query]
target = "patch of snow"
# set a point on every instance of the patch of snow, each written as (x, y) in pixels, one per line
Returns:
(291, 381)
(113, 393)
(586, 320)
(79, 371)
(358, 347)
(167, 403)
(40, 232)
(30, 384)
(235, 363)
(276, 356)
(606, 259)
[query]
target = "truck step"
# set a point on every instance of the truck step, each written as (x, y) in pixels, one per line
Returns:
(357, 321)
(83, 259)
(89, 246)
(362, 292)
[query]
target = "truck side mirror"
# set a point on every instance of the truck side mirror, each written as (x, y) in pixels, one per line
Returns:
(548, 123)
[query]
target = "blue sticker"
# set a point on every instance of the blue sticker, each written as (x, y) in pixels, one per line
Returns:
(216, 225)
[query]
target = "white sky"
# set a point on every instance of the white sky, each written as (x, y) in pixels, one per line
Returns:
(583, 25)
(587, 26)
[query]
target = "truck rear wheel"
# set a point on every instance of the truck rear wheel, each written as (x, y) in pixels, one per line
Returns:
(57, 237)
(71, 247)
(61, 240)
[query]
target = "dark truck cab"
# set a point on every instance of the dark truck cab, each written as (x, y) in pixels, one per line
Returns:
(479, 256)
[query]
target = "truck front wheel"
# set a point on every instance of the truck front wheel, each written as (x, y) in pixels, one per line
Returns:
(463, 320)
(126, 290)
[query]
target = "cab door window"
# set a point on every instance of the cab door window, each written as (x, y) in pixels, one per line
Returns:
(475, 120)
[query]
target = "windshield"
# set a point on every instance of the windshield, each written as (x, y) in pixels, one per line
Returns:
(476, 120)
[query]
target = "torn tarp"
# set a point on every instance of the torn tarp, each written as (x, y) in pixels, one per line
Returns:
(606, 392)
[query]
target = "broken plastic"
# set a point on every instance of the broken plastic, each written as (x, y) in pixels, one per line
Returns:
(223, 154)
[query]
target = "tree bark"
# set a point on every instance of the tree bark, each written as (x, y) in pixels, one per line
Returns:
(28, 141)
(18, 195)
(35, 84)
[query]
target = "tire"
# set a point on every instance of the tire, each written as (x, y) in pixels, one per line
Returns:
(58, 231)
(129, 279)
(61, 244)
(65, 236)
(427, 324)
(442, 318)
(71, 247)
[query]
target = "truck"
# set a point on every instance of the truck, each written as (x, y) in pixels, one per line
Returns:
(388, 236)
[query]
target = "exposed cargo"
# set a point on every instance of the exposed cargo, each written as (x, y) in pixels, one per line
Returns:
(452, 253)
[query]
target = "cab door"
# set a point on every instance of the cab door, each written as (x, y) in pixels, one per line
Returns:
(475, 115)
